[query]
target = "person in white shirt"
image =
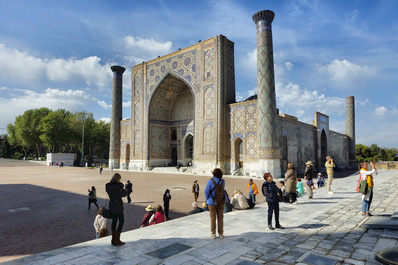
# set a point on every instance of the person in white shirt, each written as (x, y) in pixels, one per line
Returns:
(367, 175)
(100, 222)
(239, 201)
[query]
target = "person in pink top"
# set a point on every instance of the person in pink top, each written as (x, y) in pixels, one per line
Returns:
(158, 217)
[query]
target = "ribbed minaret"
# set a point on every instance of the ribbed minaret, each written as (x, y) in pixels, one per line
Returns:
(268, 143)
(117, 88)
(350, 129)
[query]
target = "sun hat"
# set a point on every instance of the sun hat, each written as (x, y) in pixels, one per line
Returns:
(309, 163)
(149, 208)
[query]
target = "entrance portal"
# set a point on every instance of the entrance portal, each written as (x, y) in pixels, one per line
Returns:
(171, 116)
(238, 153)
(188, 149)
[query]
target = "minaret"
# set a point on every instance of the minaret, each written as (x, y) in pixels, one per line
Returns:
(117, 87)
(350, 129)
(267, 133)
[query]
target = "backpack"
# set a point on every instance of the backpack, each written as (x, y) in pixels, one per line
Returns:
(220, 193)
(363, 187)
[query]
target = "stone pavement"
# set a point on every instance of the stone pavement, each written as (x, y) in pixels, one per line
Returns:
(326, 227)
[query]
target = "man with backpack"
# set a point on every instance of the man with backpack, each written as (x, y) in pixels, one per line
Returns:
(215, 199)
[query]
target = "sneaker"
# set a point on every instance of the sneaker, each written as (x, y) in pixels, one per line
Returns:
(279, 226)
(331, 192)
(310, 197)
(213, 236)
(295, 202)
(270, 227)
(221, 236)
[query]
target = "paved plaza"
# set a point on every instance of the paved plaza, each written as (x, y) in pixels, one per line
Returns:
(326, 227)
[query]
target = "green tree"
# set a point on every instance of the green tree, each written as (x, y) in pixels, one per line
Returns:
(5, 148)
(54, 129)
(374, 149)
(383, 155)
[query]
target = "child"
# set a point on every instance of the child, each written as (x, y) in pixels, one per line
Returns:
(285, 195)
(320, 181)
(299, 188)
(100, 224)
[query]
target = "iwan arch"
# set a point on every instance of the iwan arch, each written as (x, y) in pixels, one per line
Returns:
(184, 111)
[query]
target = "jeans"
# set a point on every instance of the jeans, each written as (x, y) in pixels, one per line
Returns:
(115, 217)
(216, 212)
(273, 207)
(253, 197)
(366, 204)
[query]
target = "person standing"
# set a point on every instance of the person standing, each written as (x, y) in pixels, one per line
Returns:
(166, 203)
(270, 191)
(195, 190)
(129, 188)
(101, 168)
(215, 200)
(92, 197)
(308, 176)
(329, 170)
(368, 177)
(290, 182)
(116, 191)
(252, 190)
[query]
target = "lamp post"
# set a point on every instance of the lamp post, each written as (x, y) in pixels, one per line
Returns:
(84, 114)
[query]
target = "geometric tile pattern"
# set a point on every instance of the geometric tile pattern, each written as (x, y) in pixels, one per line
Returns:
(210, 63)
(251, 146)
(137, 83)
(182, 65)
(208, 139)
(137, 143)
(209, 102)
(160, 142)
(137, 113)
(251, 120)
(238, 119)
(230, 72)
(267, 116)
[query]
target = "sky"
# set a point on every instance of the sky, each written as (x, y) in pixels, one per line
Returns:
(57, 54)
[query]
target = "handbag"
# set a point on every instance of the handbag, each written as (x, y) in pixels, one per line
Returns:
(363, 186)
(103, 232)
(357, 189)
(106, 213)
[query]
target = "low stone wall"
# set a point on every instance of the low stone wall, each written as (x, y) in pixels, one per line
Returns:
(387, 165)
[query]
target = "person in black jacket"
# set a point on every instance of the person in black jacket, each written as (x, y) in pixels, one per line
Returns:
(116, 191)
(270, 191)
(166, 203)
(308, 175)
(129, 188)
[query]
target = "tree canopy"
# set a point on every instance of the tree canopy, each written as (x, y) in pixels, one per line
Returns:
(375, 153)
(38, 131)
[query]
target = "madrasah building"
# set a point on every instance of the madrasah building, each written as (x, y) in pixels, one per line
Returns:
(184, 112)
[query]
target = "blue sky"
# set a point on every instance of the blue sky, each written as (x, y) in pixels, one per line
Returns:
(57, 54)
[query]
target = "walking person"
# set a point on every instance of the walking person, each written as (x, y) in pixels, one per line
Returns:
(92, 197)
(308, 175)
(270, 191)
(329, 170)
(291, 183)
(252, 190)
(116, 191)
(100, 224)
(129, 189)
(195, 190)
(215, 200)
(368, 177)
(166, 203)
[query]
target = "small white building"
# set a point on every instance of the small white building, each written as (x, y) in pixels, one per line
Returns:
(57, 158)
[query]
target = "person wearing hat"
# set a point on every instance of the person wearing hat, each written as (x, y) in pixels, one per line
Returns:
(308, 175)
(149, 212)
(321, 180)
(329, 170)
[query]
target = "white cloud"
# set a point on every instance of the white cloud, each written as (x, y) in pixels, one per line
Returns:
(103, 104)
(289, 66)
(126, 104)
(107, 120)
(51, 98)
(381, 111)
(344, 73)
(145, 48)
(22, 68)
